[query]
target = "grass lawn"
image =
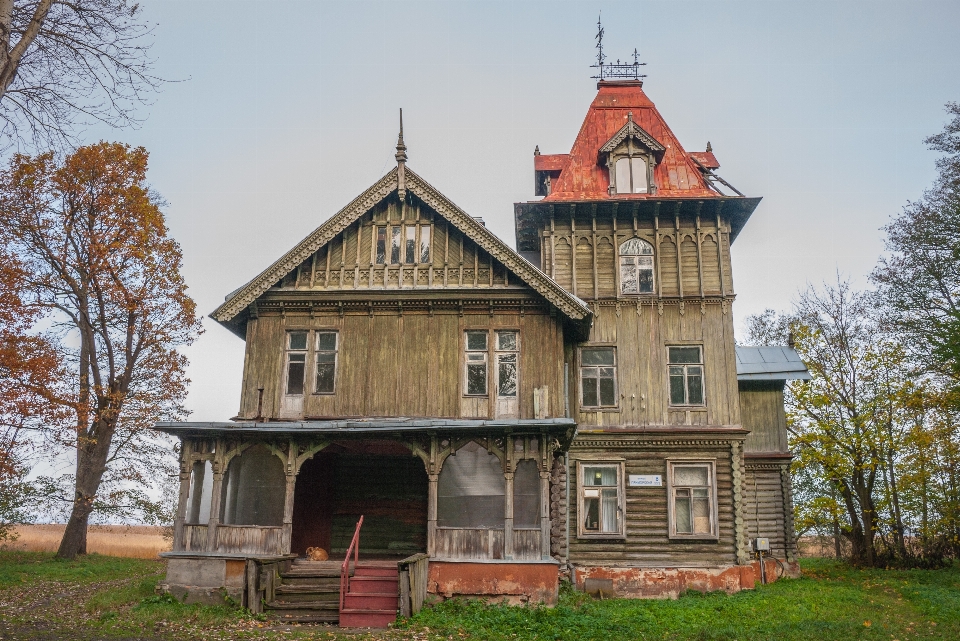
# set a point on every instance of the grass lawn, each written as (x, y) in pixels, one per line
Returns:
(101, 597)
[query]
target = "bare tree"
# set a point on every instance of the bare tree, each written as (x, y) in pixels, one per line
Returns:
(69, 63)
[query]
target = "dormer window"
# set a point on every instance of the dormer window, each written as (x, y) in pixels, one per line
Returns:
(630, 157)
(631, 175)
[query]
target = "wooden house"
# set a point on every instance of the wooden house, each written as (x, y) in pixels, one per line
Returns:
(492, 416)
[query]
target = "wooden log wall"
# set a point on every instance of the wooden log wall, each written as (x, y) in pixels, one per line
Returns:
(349, 261)
(397, 361)
(646, 543)
(642, 330)
(766, 513)
(691, 254)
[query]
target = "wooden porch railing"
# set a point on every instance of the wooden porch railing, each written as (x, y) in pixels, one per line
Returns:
(413, 583)
(345, 568)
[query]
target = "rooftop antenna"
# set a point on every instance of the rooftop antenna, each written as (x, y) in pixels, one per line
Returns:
(401, 157)
(625, 70)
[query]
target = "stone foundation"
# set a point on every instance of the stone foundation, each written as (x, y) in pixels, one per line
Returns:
(205, 580)
(500, 581)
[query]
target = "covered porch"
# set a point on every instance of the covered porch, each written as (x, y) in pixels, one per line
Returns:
(461, 491)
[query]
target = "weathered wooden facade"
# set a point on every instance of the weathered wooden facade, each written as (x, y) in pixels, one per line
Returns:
(500, 415)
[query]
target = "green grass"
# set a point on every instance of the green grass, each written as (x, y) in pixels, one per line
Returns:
(831, 602)
(99, 597)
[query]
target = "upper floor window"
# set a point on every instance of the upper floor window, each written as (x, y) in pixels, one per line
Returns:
(296, 362)
(598, 377)
(326, 362)
(326, 347)
(686, 375)
(475, 366)
(636, 267)
(632, 175)
(505, 353)
(408, 244)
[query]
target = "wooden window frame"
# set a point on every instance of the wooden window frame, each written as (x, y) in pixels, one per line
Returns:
(466, 362)
(287, 352)
(672, 533)
(336, 359)
(616, 379)
(620, 534)
(619, 267)
(497, 353)
(686, 389)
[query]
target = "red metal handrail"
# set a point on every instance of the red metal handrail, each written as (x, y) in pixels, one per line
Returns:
(345, 568)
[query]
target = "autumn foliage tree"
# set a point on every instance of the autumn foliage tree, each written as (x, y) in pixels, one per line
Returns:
(103, 278)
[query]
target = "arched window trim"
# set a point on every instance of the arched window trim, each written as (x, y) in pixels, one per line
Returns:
(626, 258)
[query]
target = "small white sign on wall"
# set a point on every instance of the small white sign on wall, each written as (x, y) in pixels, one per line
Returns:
(646, 480)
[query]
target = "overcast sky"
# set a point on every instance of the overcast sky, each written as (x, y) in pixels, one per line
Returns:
(285, 111)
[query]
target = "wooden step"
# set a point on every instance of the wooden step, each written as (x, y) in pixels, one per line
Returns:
(303, 611)
(378, 584)
(352, 618)
(371, 601)
(299, 594)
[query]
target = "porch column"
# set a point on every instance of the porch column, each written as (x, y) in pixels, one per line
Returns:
(432, 514)
(544, 513)
(508, 516)
(185, 469)
(215, 495)
(288, 499)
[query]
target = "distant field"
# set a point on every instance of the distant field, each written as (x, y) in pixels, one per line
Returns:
(134, 541)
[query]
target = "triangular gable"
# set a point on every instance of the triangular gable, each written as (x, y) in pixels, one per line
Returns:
(571, 306)
(635, 130)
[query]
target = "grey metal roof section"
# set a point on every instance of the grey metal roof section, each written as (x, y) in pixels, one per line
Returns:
(776, 363)
(364, 427)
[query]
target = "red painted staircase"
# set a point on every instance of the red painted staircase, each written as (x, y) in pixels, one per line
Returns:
(372, 597)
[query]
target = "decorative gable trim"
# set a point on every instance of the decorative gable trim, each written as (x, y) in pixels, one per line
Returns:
(636, 131)
(569, 305)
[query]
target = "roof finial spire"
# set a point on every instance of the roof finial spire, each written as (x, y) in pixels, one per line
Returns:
(709, 146)
(401, 157)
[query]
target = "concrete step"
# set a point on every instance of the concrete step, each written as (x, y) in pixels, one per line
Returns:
(352, 618)
(384, 601)
(377, 584)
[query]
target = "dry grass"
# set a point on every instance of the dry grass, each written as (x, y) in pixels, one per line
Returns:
(134, 541)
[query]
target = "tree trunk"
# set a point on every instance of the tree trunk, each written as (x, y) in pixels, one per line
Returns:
(91, 465)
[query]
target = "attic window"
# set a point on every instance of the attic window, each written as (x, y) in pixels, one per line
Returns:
(631, 175)
(408, 244)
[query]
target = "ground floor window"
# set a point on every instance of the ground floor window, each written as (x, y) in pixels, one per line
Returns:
(600, 492)
(692, 506)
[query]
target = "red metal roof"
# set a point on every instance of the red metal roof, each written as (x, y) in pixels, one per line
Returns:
(706, 158)
(582, 178)
(553, 162)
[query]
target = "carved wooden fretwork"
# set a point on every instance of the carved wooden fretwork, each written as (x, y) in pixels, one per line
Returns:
(571, 306)
(632, 129)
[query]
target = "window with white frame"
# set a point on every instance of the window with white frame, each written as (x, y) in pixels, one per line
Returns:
(692, 490)
(685, 370)
(636, 267)
(326, 362)
(598, 377)
(475, 364)
(296, 368)
(600, 491)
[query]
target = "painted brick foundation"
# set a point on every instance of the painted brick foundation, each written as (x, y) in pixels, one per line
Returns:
(639, 583)
(508, 582)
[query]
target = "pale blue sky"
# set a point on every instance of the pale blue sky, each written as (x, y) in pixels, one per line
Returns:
(288, 110)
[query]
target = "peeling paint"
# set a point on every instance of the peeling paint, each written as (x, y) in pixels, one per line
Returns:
(512, 583)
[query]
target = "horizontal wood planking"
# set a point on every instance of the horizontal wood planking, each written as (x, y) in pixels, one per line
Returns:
(642, 335)
(647, 540)
(409, 365)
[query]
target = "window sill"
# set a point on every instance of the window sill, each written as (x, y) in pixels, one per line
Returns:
(476, 396)
(695, 537)
(688, 407)
(602, 537)
(601, 408)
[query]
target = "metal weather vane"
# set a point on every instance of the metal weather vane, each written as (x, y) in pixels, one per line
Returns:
(625, 70)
